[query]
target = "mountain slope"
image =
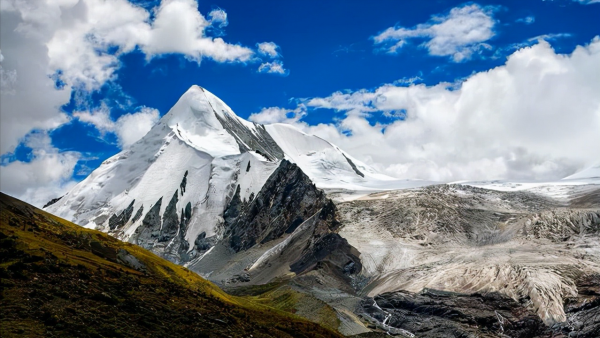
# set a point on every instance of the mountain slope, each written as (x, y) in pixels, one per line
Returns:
(188, 164)
(169, 191)
(59, 279)
(329, 167)
(289, 218)
(592, 172)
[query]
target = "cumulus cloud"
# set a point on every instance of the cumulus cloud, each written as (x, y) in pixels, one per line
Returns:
(459, 34)
(536, 117)
(278, 115)
(99, 117)
(274, 67)
(8, 78)
(502, 52)
(218, 17)
(50, 48)
(46, 176)
(29, 98)
(179, 28)
(80, 46)
(128, 128)
(132, 127)
(268, 49)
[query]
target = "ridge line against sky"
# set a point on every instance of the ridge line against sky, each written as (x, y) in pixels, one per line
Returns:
(450, 90)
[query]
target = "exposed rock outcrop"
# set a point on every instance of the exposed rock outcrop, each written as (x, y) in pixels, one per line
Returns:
(560, 224)
(117, 221)
(146, 235)
(287, 199)
(443, 314)
(170, 222)
(261, 141)
(52, 201)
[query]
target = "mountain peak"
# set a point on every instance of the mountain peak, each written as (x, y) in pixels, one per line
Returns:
(196, 110)
(205, 122)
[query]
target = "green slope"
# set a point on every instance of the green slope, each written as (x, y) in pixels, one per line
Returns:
(61, 280)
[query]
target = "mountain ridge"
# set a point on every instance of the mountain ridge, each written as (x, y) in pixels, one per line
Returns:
(202, 143)
(273, 212)
(59, 279)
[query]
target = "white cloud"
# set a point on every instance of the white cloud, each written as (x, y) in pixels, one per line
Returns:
(502, 52)
(218, 17)
(128, 128)
(268, 49)
(278, 115)
(80, 43)
(99, 117)
(528, 20)
(179, 28)
(132, 127)
(275, 67)
(28, 97)
(536, 117)
(360, 101)
(46, 176)
(550, 37)
(459, 34)
(79, 47)
(8, 78)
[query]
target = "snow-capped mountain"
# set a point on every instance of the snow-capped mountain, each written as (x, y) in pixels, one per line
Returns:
(168, 191)
(589, 173)
(245, 204)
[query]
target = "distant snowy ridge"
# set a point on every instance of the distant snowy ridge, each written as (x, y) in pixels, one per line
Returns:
(592, 172)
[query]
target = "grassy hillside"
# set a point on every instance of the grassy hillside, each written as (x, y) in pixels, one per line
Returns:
(60, 280)
(280, 295)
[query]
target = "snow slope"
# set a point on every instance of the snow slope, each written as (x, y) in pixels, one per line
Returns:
(330, 167)
(188, 139)
(590, 173)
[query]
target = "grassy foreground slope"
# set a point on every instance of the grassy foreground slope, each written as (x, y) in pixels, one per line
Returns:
(61, 280)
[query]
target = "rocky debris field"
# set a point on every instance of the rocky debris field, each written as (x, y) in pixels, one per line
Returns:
(455, 260)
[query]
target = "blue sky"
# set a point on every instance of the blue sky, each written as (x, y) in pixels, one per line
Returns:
(314, 49)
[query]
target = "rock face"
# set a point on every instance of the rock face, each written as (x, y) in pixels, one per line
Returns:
(583, 310)
(259, 141)
(358, 172)
(433, 313)
(118, 221)
(147, 233)
(287, 199)
(536, 251)
(290, 225)
(57, 278)
(560, 225)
